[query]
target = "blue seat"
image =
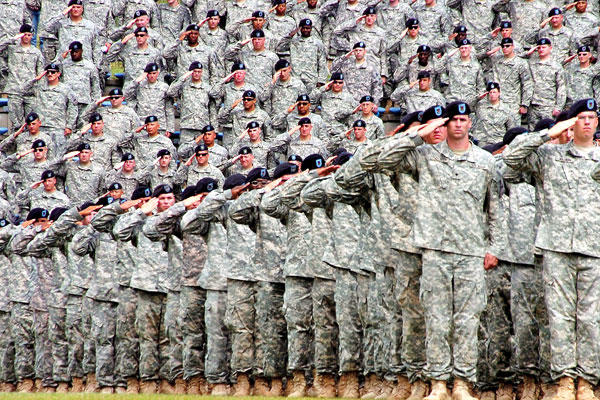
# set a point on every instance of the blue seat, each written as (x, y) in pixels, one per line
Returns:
(120, 75)
(3, 102)
(3, 131)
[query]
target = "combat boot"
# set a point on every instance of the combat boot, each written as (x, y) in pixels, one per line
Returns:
(371, 387)
(241, 387)
(48, 389)
(565, 389)
(62, 387)
(26, 386)
(461, 390)
(348, 385)
(548, 391)
(8, 387)
(505, 392)
(133, 386)
(77, 385)
(487, 395)
(220, 389)
(107, 390)
(386, 388)
(438, 391)
(296, 387)
(261, 387)
(165, 387)
(402, 389)
(196, 385)
(276, 388)
(530, 389)
(91, 385)
(585, 390)
(148, 387)
(120, 390)
(180, 386)
(418, 390)
(324, 386)
(39, 386)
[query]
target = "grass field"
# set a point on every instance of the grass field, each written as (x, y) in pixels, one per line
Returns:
(97, 396)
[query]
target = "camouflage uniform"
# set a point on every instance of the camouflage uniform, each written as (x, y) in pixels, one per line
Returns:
(124, 9)
(7, 344)
(291, 144)
(434, 21)
(134, 58)
(13, 13)
(308, 56)
(84, 31)
(190, 175)
(281, 26)
(183, 55)
(48, 10)
(525, 16)
(30, 198)
(284, 122)
(336, 109)
(278, 96)
(193, 107)
(549, 90)
(146, 147)
(82, 182)
(464, 79)
(82, 77)
(477, 15)
(106, 148)
(563, 42)
(152, 99)
(118, 122)
(580, 82)
(514, 77)
(173, 20)
(492, 121)
(414, 99)
(360, 79)
(240, 119)
(260, 64)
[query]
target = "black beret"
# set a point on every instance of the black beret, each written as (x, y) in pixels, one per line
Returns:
(367, 99)
(85, 205)
(162, 189)
(460, 29)
(140, 192)
(491, 148)
(245, 150)
(584, 49)
(562, 116)
(38, 143)
(200, 147)
(285, 168)
(342, 158)
(233, 181)
(433, 112)
(424, 74)
(195, 65)
(206, 185)
(116, 92)
(163, 152)
(554, 11)
(544, 123)
(506, 41)
(257, 173)
(212, 13)
(249, 94)
(84, 146)
(208, 128)
(257, 33)
(304, 121)
(582, 106)
(457, 108)
(369, 11)
(338, 151)
(258, 14)
(464, 42)
(57, 212)
(359, 45)
(423, 49)
(313, 161)
(543, 41)
(337, 76)
(151, 67)
(26, 28)
(512, 133)
(359, 123)
(127, 157)
(31, 117)
(37, 213)
(151, 118)
(303, 97)
(189, 192)
(411, 22)
(281, 64)
(52, 67)
(141, 29)
(95, 117)
(115, 186)
(105, 200)
(75, 3)
(238, 65)
(75, 45)
(505, 24)
(492, 85)
(139, 13)
(305, 22)
(408, 119)
(278, 2)
(295, 157)
(192, 27)
(47, 174)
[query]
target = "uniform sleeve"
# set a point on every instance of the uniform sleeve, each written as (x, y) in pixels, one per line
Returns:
(522, 154)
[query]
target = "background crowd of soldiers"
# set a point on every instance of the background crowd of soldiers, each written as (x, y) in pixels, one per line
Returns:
(285, 243)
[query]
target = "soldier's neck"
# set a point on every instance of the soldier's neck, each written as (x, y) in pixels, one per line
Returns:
(52, 190)
(163, 168)
(495, 102)
(76, 19)
(544, 58)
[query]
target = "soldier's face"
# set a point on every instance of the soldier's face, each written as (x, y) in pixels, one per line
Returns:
(165, 201)
(424, 84)
(85, 155)
(280, 9)
(144, 20)
(34, 126)
(116, 194)
(258, 23)
(246, 160)
(303, 107)
(258, 43)
(359, 53)
(285, 73)
(423, 57)
(305, 129)
(152, 127)
(585, 126)
(494, 94)
(506, 32)
(507, 49)
(437, 136)
(359, 133)
(239, 76)
(209, 138)
(116, 101)
(97, 127)
(305, 31)
(53, 76)
(165, 161)
(544, 50)
(465, 51)
(141, 38)
(197, 75)
(129, 165)
(312, 3)
(556, 21)
(254, 134)
(40, 153)
(202, 158)
(370, 20)
(249, 103)
(413, 31)
(76, 11)
(153, 76)
(49, 184)
(337, 86)
(584, 56)
(581, 6)
(460, 36)
(367, 107)
(76, 55)
(458, 126)
(193, 37)
(26, 39)
(213, 22)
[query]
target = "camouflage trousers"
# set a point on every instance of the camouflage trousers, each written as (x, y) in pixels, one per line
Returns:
(89, 341)
(297, 309)
(7, 350)
(453, 297)
(376, 338)
(240, 320)
(186, 135)
(572, 292)
(173, 366)
(325, 326)
(127, 346)
(59, 344)
(149, 324)
(103, 331)
(351, 293)
(49, 49)
(43, 348)
(191, 317)
(18, 107)
(58, 137)
(217, 337)
(495, 340)
(537, 112)
(271, 330)
(21, 327)
(76, 334)
(410, 315)
(530, 321)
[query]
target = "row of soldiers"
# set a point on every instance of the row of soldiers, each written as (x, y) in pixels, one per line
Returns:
(414, 264)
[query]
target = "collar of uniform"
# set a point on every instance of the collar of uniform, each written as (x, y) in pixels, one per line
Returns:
(571, 150)
(448, 153)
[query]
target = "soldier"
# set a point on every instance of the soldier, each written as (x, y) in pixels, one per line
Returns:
(402, 48)
(525, 17)
(134, 57)
(24, 62)
(123, 8)
(208, 135)
(463, 75)
(436, 294)
(247, 113)
(148, 96)
(293, 113)
(308, 54)
(505, 30)
(214, 36)
(549, 92)
(259, 60)
(13, 11)
(48, 41)
(280, 25)
(362, 75)
(580, 77)
(569, 325)
(193, 94)
(434, 20)
(413, 98)
(84, 178)
(492, 117)
(48, 198)
(336, 105)
(582, 21)
(282, 89)
(127, 174)
(188, 174)
(172, 18)
(237, 31)
(19, 142)
(303, 145)
(425, 62)
(8, 379)
(257, 147)
(393, 15)
(151, 142)
(140, 20)
(374, 124)
(354, 137)
(163, 172)
(477, 16)
(562, 37)
(106, 148)
(246, 160)
(29, 169)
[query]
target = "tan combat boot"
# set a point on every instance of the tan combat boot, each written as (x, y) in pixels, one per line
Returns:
(296, 387)
(371, 387)
(439, 391)
(220, 389)
(149, 387)
(8, 387)
(48, 389)
(324, 386)
(261, 387)
(505, 392)
(242, 386)
(62, 387)
(180, 386)
(487, 395)
(196, 385)
(461, 390)
(348, 385)
(402, 389)
(91, 384)
(77, 385)
(565, 389)
(548, 391)
(133, 386)
(39, 387)
(107, 389)
(585, 390)
(165, 387)
(276, 388)
(530, 389)
(120, 390)
(418, 390)
(386, 388)
(26, 386)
